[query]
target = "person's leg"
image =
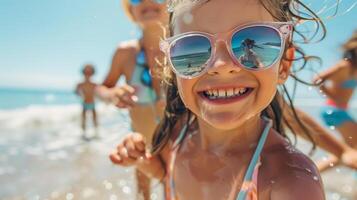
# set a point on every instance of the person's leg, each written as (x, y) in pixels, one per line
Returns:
(328, 163)
(348, 130)
(83, 123)
(143, 185)
(95, 122)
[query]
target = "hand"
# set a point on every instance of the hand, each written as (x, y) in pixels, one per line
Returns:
(349, 158)
(130, 151)
(123, 97)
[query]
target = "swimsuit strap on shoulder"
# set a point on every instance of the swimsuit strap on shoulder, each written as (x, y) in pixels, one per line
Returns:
(249, 173)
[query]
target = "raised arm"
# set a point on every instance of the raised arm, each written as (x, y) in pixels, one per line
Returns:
(120, 96)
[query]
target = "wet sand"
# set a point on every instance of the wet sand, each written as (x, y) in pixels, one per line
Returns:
(46, 159)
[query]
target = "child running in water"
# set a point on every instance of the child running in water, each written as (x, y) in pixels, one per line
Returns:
(222, 136)
(86, 90)
(136, 61)
(339, 83)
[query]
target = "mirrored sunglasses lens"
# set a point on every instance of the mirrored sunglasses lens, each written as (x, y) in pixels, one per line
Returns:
(257, 47)
(189, 54)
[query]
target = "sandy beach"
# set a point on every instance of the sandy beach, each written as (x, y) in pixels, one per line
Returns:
(43, 157)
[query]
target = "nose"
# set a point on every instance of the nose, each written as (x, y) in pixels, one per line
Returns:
(222, 61)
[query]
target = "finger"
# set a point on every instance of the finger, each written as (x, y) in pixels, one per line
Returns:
(123, 153)
(129, 89)
(139, 142)
(126, 100)
(120, 104)
(115, 158)
(130, 146)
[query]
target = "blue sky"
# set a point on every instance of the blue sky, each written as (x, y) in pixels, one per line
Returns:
(43, 44)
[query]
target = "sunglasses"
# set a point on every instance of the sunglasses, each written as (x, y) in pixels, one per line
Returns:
(254, 46)
(137, 2)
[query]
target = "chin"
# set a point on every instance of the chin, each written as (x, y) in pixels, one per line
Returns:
(225, 120)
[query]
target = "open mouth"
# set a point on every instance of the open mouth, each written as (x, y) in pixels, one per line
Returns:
(150, 11)
(226, 95)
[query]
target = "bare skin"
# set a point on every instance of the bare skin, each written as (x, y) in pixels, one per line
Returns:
(331, 86)
(86, 90)
(341, 152)
(332, 79)
(231, 128)
(151, 18)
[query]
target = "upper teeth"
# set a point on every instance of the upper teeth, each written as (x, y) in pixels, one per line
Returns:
(223, 93)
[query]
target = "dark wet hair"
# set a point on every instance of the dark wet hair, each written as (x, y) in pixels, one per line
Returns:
(350, 48)
(90, 67)
(281, 10)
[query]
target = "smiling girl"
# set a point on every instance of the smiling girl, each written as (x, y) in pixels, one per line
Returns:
(222, 135)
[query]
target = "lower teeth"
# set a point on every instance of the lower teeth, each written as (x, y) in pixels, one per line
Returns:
(224, 97)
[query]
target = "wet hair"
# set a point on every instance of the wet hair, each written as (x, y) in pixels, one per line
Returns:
(350, 48)
(281, 10)
(90, 67)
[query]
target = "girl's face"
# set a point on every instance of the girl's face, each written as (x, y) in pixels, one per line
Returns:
(147, 12)
(224, 76)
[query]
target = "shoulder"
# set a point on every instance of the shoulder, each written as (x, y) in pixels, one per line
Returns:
(127, 48)
(295, 175)
(342, 67)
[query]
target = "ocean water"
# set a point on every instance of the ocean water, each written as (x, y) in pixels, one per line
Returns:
(43, 156)
(14, 98)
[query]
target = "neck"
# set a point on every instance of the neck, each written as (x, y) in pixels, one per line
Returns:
(152, 35)
(241, 138)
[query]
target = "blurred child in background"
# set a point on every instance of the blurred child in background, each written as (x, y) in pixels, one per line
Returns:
(136, 61)
(86, 91)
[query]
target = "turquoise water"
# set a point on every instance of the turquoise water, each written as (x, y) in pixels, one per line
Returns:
(11, 98)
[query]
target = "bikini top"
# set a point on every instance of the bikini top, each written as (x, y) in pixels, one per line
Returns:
(248, 189)
(141, 80)
(349, 84)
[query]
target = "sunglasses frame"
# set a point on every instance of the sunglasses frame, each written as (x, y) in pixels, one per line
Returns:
(141, 1)
(283, 28)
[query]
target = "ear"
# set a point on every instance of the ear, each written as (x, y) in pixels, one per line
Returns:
(285, 65)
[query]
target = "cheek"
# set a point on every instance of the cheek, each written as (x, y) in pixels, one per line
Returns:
(184, 87)
(268, 81)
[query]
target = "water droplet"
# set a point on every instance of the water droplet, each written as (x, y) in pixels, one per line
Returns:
(332, 127)
(88, 192)
(69, 196)
(153, 196)
(126, 190)
(187, 18)
(121, 183)
(113, 197)
(316, 178)
(329, 112)
(336, 196)
(108, 185)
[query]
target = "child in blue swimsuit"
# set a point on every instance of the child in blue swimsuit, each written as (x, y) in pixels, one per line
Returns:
(338, 83)
(86, 90)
